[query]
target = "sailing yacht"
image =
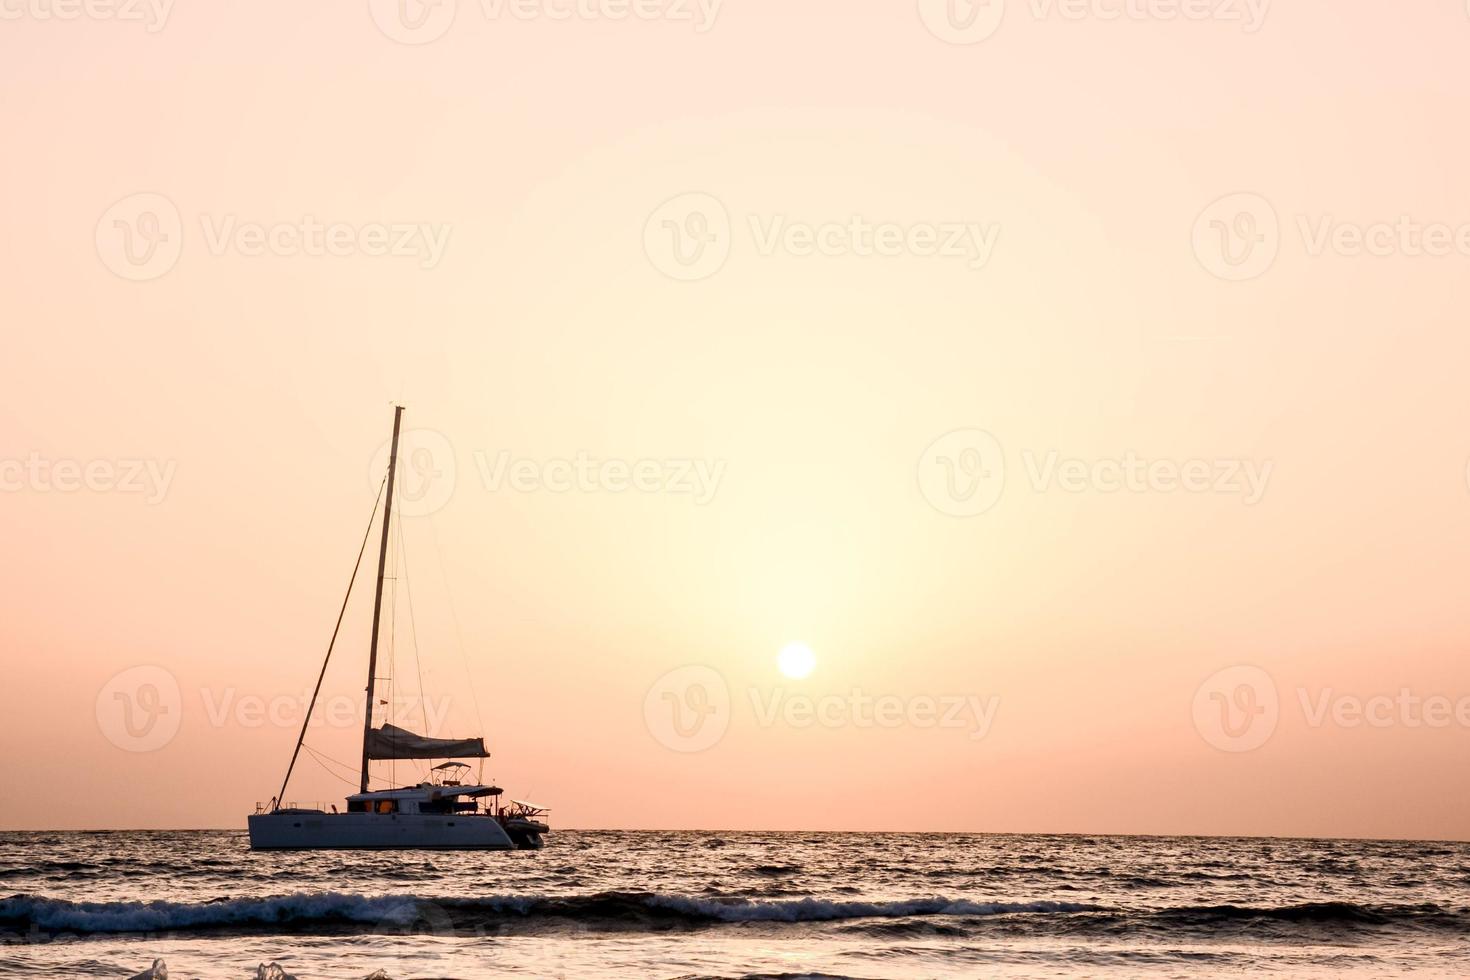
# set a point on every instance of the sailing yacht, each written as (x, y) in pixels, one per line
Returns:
(444, 810)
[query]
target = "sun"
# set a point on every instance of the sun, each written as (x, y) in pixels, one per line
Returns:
(796, 660)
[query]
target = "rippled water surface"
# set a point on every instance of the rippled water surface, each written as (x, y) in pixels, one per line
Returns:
(653, 904)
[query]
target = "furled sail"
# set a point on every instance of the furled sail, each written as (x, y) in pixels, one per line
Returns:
(392, 742)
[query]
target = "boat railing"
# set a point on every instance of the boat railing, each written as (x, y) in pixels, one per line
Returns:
(271, 806)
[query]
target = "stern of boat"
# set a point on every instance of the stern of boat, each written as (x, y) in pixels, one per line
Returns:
(524, 823)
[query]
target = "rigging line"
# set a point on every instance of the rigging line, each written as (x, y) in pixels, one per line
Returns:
(322, 761)
(322, 758)
(418, 660)
(458, 635)
(332, 643)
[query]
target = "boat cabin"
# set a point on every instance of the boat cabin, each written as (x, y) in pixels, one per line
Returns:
(426, 797)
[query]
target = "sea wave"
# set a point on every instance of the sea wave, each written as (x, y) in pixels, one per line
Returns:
(58, 915)
(1326, 913)
(1315, 921)
(304, 912)
(652, 911)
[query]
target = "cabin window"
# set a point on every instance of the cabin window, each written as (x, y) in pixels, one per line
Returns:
(385, 806)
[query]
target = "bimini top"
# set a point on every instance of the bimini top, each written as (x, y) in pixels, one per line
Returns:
(392, 742)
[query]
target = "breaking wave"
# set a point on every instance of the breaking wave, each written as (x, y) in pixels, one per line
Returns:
(306, 912)
(329, 912)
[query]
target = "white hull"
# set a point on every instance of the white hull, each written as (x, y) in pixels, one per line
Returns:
(377, 830)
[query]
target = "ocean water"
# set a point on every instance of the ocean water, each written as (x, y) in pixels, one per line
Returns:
(735, 905)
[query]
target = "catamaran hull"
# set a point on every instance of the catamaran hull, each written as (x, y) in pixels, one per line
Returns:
(330, 831)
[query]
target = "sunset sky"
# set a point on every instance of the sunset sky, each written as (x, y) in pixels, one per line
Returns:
(1032, 382)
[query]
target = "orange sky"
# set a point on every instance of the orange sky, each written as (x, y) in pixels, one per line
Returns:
(1035, 381)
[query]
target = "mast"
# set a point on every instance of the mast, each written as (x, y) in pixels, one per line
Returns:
(367, 719)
